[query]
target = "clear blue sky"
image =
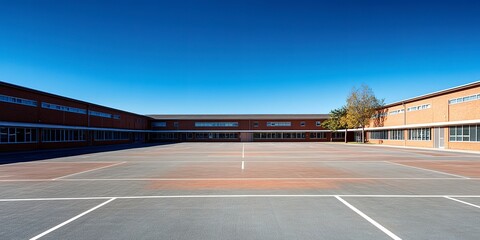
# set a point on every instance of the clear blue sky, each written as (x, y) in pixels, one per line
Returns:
(237, 56)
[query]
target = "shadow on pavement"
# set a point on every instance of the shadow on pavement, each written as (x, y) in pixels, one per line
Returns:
(28, 156)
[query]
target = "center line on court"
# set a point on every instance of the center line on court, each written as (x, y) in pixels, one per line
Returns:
(375, 223)
(243, 150)
(243, 165)
(71, 220)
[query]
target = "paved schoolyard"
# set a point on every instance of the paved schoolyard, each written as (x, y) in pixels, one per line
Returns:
(244, 191)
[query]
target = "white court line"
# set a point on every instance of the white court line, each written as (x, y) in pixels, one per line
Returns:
(73, 174)
(233, 196)
(370, 220)
(248, 179)
(460, 201)
(225, 179)
(243, 150)
(243, 165)
(429, 170)
(70, 220)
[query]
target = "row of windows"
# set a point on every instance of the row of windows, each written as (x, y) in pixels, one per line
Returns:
(395, 112)
(102, 114)
(111, 135)
(420, 107)
(160, 136)
(216, 124)
(279, 124)
(338, 135)
(379, 115)
(318, 135)
(379, 134)
(465, 133)
(464, 99)
(63, 108)
(234, 124)
(17, 135)
(388, 134)
(419, 134)
(16, 100)
(52, 106)
(396, 134)
(78, 110)
(159, 124)
(216, 135)
(29, 135)
(279, 135)
(63, 135)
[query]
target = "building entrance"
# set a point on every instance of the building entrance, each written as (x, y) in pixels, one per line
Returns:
(439, 138)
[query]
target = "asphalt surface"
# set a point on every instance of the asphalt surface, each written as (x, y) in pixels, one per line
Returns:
(242, 191)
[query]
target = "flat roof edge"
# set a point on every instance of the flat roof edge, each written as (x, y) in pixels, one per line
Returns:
(434, 94)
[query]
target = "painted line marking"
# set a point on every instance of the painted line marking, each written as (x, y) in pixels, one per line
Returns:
(223, 179)
(234, 196)
(73, 174)
(71, 220)
(429, 170)
(243, 150)
(460, 201)
(370, 220)
(249, 179)
(243, 165)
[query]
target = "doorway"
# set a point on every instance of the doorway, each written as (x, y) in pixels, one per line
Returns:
(439, 138)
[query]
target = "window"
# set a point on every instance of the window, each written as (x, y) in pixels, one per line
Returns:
(111, 135)
(338, 135)
(255, 124)
(420, 107)
(164, 136)
(159, 124)
(318, 123)
(464, 99)
(56, 107)
(210, 135)
(279, 124)
(379, 115)
(318, 135)
(395, 112)
(465, 133)
(216, 124)
(102, 114)
(279, 135)
(419, 134)
(63, 135)
(17, 135)
(379, 134)
(396, 134)
(175, 124)
(16, 100)
(302, 124)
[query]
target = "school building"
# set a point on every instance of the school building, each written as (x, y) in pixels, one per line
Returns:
(448, 119)
(31, 120)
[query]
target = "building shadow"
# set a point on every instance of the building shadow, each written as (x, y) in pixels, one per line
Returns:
(28, 156)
